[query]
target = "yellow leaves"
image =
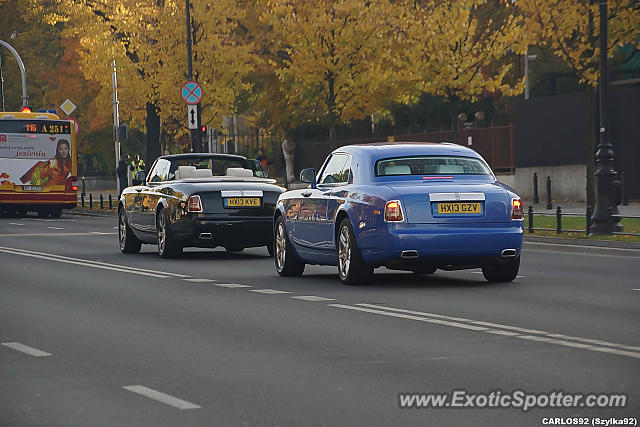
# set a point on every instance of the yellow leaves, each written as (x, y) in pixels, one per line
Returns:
(571, 30)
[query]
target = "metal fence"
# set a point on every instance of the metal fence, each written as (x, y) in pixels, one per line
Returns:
(560, 229)
(495, 144)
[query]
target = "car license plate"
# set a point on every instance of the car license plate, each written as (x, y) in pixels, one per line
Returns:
(463, 208)
(32, 188)
(242, 202)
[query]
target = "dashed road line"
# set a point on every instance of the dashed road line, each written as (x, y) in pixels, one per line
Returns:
(56, 228)
(196, 280)
(87, 263)
(231, 285)
(161, 397)
(26, 349)
(17, 223)
(312, 298)
(269, 291)
(498, 329)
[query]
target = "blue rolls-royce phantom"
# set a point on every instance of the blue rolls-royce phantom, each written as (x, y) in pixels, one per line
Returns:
(406, 206)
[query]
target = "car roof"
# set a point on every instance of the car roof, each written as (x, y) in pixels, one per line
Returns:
(392, 149)
(368, 154)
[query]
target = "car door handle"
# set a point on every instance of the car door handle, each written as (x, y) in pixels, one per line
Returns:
(306, 193)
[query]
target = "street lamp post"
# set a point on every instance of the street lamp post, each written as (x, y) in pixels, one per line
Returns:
(194, 133)
(604, 174)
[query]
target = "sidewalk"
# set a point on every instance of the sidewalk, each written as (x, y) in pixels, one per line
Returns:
(633, 209)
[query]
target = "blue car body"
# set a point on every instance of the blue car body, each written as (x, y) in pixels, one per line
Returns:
(424, 236)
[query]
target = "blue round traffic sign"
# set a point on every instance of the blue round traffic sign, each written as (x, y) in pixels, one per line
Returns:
(191, 92)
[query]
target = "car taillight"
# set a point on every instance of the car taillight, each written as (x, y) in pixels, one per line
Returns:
(68, 186)
(393, 211)
(194, 204)
(516, 209)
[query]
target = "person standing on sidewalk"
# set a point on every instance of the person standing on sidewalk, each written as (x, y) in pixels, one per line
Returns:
(137, 166)
(122, 172)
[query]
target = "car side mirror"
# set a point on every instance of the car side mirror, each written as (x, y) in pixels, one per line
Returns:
(308, 176)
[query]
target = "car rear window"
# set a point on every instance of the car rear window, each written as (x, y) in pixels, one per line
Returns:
(431, 165)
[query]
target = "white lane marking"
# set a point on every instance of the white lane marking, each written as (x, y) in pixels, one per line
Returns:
(636, 289)
(508, 327)
(583, 246)
(269, 291)
(84, 264)
(16, 223)
(56, 228)
(100, 264)
(161, 397)
(231, 285)
(26, 349)
(100, 232)
(313, 298)
(530, 334)
(406, 316)
(51, 234)
(196, 280)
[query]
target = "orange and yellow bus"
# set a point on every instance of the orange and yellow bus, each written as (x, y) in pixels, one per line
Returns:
(38, 164)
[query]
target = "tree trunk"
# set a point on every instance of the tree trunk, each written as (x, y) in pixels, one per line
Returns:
(331, 104)
(153, 134)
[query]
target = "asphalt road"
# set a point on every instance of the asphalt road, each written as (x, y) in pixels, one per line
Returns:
(92, 337)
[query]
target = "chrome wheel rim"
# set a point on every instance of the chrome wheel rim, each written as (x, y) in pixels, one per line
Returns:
(162, 233)
(122, 228)
(281, 246)
(344, 252)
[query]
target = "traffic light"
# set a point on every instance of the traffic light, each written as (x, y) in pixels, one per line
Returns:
(25, 109)
(203, 130)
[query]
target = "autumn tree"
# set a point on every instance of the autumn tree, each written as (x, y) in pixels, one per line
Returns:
(331, 56)
(570, 30)
(457, 49)
(146, 39)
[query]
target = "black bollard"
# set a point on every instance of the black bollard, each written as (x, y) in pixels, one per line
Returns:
(90, 200)
(110, 202)
(549, 205)
(558, 220)
(101, 201)
(589, 212)
(82, 199)
(536, 199)
(625, 197)
(83, 187)
(530, 219)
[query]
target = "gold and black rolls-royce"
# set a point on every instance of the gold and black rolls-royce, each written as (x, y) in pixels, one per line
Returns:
(198, 200)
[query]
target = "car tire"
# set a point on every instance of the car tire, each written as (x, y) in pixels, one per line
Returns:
(287, 265)
(505, 271)
(129, 243)
(351, 267)
(167, 245)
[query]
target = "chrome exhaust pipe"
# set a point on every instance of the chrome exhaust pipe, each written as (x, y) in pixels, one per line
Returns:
(508, 253)
(409, 254)
(206, 236)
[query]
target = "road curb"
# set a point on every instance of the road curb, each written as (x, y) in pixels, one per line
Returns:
(583, 242)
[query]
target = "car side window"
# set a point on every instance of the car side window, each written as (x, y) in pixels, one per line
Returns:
(337, 170)
(160, 172)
